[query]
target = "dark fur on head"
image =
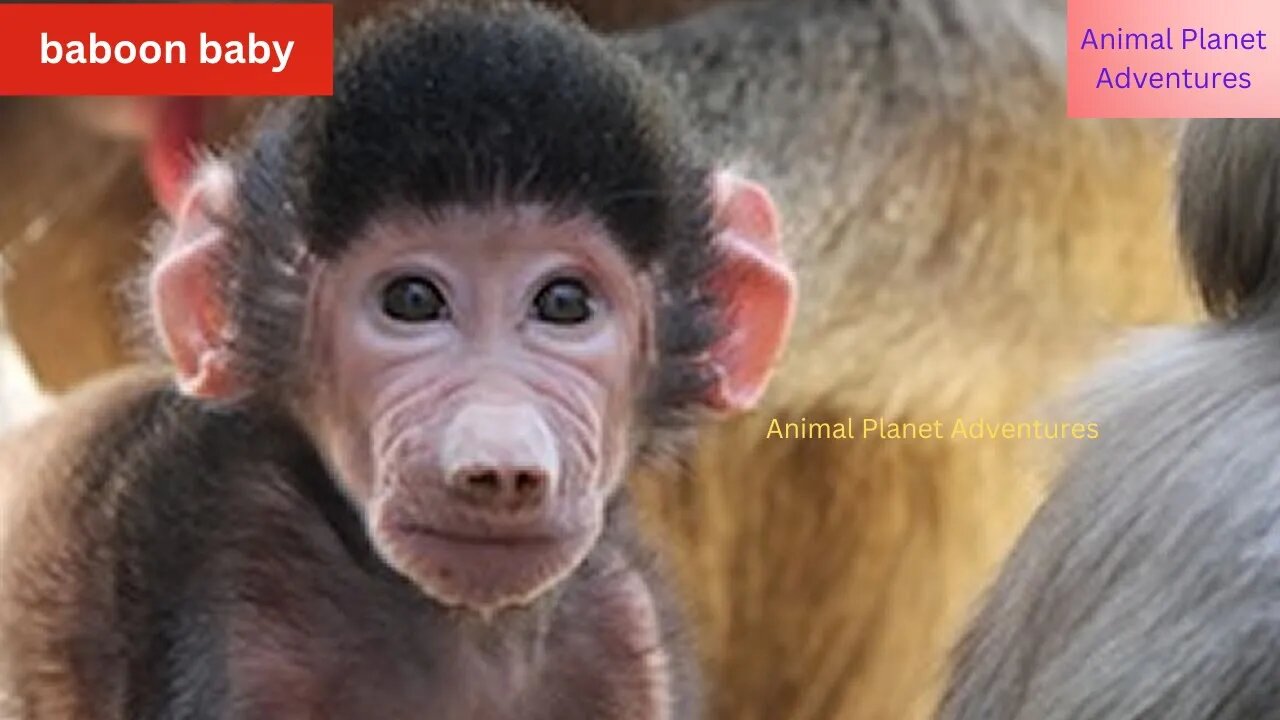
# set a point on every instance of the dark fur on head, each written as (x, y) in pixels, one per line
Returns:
(435, 106)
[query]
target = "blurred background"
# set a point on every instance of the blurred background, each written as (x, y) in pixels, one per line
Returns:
(964, 251)
(20, 397)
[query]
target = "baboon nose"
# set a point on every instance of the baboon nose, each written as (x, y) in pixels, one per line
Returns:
(501, 488)
(500, 457)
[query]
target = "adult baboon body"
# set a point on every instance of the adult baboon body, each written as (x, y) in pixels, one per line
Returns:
(1145, 586)
(963, 249)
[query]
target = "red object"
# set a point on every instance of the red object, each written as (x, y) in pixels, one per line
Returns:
(166, 49)
(177, 128)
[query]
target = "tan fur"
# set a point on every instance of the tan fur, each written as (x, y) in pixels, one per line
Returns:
(965, 261)
(965, 267)
(831, 576)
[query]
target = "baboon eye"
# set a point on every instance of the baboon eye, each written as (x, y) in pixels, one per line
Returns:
(413, 299)
(564, 302)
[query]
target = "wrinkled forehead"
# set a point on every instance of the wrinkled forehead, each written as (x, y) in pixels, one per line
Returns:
(490, 240)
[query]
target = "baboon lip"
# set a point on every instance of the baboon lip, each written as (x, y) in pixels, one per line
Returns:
(525, 539)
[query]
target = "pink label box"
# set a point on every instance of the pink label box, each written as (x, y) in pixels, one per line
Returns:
(1173, 58)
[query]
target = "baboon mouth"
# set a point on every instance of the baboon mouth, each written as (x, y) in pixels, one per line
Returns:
(515, 540)
(484, 570)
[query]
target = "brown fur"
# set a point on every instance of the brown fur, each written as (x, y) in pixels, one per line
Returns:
(50, 447)
(962, 253)
(77, 586)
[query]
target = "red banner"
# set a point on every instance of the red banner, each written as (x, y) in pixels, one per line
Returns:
(166, 49)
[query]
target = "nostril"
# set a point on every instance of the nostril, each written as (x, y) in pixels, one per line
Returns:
(512, 488)
(484, 483)
(529, 484)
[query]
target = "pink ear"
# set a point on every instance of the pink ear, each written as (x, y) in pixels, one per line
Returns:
(756, 290)
(186, 301)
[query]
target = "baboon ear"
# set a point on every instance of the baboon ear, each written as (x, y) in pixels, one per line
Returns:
(187, 304)
(755, 288)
